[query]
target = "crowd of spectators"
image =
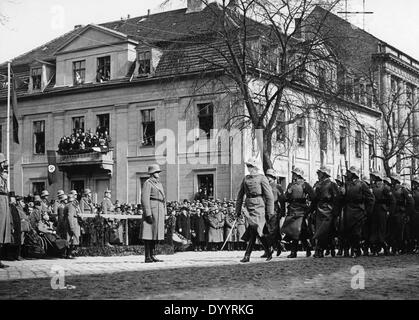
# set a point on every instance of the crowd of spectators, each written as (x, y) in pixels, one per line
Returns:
(85, 142)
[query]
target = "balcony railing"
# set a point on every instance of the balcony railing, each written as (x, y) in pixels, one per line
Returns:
(102, 159)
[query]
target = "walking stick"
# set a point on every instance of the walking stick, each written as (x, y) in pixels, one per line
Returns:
(229, 235)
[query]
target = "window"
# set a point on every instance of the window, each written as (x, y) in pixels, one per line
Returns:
(103, 123)
(206, 118)
(78, 185)
(357, 90)
(36, 74)
(280, 126)
(301, 133)
(39, 137)
(349, 88)
(206, 185)
(342, 140)
(322, 78)
(369, 96)
(38, 187)
(371, 146)
(144, 61)
(78, 124)
(79, 72)
(358, 144)
(103, 69)
(148, 125)
(323, 135)
(362, 94)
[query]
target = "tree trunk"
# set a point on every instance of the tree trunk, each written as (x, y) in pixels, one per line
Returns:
(267, 151)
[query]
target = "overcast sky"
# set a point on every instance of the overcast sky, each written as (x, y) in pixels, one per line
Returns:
(32, 23)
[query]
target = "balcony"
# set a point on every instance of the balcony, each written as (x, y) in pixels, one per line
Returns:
(86, 162)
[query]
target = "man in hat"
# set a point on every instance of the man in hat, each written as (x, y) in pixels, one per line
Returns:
(259, 206)
(183, 223)
(384, 204)
(153, 200)
(61, 222)
(295, 228)
(107, 208)
(86, 203)
(398, 221)
(5, 215)
(272, 230)
(45, 205)
(359, 203)
(72, 227)
(60, 193)
(326, 209)
(414, 221)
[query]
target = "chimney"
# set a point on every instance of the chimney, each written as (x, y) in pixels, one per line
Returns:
(195, 6)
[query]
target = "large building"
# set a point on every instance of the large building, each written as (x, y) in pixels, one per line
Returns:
(136, 79)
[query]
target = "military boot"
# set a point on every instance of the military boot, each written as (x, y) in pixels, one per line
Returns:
(294, 248)
(147, 252)
(346, 253)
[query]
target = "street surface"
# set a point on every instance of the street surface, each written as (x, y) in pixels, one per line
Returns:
(211, 275)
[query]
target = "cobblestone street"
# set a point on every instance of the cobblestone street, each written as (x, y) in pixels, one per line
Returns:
(209, 275)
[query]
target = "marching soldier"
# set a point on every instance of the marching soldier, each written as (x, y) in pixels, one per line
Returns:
(71, 224)
(359, 203)
(399, 219)
(273, 234)
(295, 227)
(259, 205)
(414, 222)
(365, 244)
(326, 207)
(384, 204)
(153, 200)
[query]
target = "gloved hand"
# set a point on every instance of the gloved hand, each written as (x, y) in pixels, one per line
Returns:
(149, 219)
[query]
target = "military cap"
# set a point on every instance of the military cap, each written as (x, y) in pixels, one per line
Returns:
(354, 170)
(387, 179)
(107, 191)
(325, 170)
(87, 191)
(271, 173)
(60, 193)
(377, 174)
(44, 193)
(251, 162)
(396, 177)
(154, 168)
(63, 197)
(366, 179)
(36, 198)
(74, 192)
(298, 172)
(71, 197)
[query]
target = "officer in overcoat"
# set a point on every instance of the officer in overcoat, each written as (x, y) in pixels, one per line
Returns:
(326, 209)
(153, 200)
(61, 222)
(72, 227)
(414, 221)
(383, 207)
(295, 228)
(272, 229)
(5, 215)
(399, 219)
(259, 205)
(359, 203)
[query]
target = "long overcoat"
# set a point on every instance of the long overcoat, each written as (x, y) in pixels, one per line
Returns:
(326, 206)
(153, 200)
(414, 220)
(183, 225)
(71, 224)
(5, 214)
(397, 221)
(198, 227)
(272, 228)
(259, 202)
(214, 227)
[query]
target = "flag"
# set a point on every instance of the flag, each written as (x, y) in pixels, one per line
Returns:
(52, 167)
(13, 89)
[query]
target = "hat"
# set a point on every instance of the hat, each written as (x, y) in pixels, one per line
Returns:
(252, 162)
(19, 198)
(12, 194)
(377, 174)
(74, 192)
(60, 193)
(63, 197)
(271, 173)
(298, 172)
(396, 177)
(107, 191)
(44, 193)
(2, 158)
(37, 198)
(354, 170)
(154, 168)
(324, 170)
(415, 180)
(87, 191)
(71, 197)
(366, 179)
(387, 179)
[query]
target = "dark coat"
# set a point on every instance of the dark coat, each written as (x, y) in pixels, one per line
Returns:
(61, 222)
(359, 203)
(198, 227)
(384, 204)
(397, 221)
(325, 205)
(153, 200)
(183, 225)
(259, 201)
(5, 215)
(297, 195)
(272, 229)
(414, 220)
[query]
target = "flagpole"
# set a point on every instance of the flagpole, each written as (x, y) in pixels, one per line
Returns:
(8, 121)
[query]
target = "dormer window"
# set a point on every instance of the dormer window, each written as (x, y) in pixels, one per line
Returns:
(103, 69)
(144, 63)
(36, 74)
(79, 72)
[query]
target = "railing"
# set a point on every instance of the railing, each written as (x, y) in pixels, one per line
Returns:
(86, 157)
